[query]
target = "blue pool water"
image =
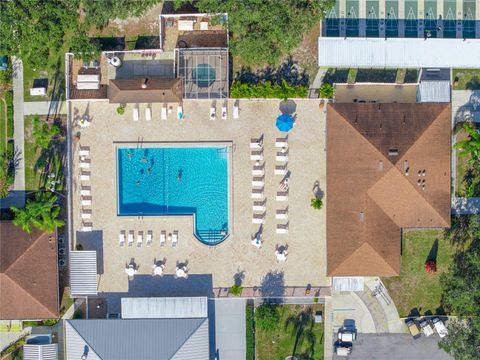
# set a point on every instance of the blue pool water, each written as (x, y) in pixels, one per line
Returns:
(176, 181)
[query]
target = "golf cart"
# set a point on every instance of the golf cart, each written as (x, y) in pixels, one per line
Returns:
(413, 328)
(426, 327)
(440, 327)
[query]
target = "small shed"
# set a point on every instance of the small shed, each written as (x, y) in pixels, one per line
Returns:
(83, 273)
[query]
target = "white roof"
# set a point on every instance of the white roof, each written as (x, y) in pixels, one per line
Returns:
(164, 308)
(83, 273)
(40, 352)
(433, 91)
(398, 52)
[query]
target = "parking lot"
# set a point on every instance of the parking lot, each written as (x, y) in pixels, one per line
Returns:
(396, 347)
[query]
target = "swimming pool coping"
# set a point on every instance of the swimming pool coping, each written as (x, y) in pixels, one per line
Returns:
(179, 144)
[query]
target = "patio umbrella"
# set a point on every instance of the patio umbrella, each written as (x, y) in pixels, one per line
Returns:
(285, 122)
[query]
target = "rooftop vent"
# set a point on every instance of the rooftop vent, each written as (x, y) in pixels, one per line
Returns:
(144, 83)
(380, 165)
(393, 152)
(361, 216)
(406, 167)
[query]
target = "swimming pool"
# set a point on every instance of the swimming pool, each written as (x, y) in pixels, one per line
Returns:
(157, 181)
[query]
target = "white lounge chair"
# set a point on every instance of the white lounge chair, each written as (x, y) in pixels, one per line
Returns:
(164, 113)
(224, 112)
(135, 114)
(87, 226)
(259, 206)
(256, 144)
(131, 234)
(163, 238)
(121, 238)
(281, 142)
(174, 238)
(256, 155)
(257, 193)
(213, 114)
(148, 114)
(258, 219)
(282, 196)
(258, 171)
(85, 176)
(281, 170)
(180, 115)
(281, 214)
(86, 201)
(83, 152)
(140, 238)
(149, 237)
(258, 182)
(282, 228)
(236, 111)
(84, 191)
(281, 156)
(85, 164)
(86, 214)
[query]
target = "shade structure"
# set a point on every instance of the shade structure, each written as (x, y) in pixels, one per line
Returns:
(285, 122)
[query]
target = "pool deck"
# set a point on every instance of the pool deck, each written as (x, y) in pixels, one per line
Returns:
(306, 263)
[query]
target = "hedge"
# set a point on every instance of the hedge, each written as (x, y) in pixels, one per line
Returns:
(267, 90)
(250, 329)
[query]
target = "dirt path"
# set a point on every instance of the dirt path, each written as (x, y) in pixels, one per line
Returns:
(6, 120)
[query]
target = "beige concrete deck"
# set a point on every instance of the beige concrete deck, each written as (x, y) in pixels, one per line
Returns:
(306, 241)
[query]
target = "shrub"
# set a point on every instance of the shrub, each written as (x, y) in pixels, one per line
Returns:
(121, 109)
(326, 91)
(43, 132)
(250, 331)
(316, 203)
(50, 322)
(236, 290)
(267, 316)
(267, 90)
(79, 247)
(78, 314)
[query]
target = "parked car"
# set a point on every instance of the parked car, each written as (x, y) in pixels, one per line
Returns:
(426, 327)
(413, 328)
(440, 327)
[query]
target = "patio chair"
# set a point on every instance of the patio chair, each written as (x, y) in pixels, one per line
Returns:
(259, 206)
(131, 233)
(256, 144)
(281, 214)
(84, 164)
(149, 237)
(148, 114)
(121, 238)
(258, 218)
(257, 193)
(282, 229)
(258, 182)
(224, 112)
(140, 238)
(180, 115)
(87, 226)
(85, 191)
(174, 239)
(135, 113)
(83, 152)
(282, 196)
(85, 176)
(281, 156)
(163, 236)
(236, 111)
(256, 155)
(281, 170)
(212, 113)
(258, 171)
(86, 214)
(164, 113)
(86, 201)
(281, 142)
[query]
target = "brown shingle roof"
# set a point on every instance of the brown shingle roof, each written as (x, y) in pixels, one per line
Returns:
(156, 90)
(370, 197)
(28, 274)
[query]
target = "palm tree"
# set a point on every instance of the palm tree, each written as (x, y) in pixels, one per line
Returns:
(301, 326)
(42, 213)
(471, 145)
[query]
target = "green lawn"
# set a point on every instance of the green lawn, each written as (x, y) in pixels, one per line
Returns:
(6, 124)
(277, 344)
(415, 291)
(466, 79)
(32, 177)
(250, 330)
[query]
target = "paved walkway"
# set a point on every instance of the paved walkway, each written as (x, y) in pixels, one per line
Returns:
(44, 107)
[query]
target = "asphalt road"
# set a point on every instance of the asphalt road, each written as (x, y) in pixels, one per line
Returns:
(395, 347)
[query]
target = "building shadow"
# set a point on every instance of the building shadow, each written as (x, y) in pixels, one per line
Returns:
(93, 240)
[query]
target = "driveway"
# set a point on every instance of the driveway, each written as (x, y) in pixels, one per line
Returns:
(227, 316)
(395, 347)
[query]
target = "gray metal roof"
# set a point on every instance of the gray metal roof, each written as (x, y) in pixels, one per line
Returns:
(164, 308)
(398, 52)
(433, 91)
(83, 273)
(40, 352)
(162, 339)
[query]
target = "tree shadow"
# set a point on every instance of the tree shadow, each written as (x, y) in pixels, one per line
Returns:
(301, 327)
(238, 277)
(273, 285)
(317, 192)
(415, 312)
(473, 84)
(288, 71)
(432, 255)
(462, 230)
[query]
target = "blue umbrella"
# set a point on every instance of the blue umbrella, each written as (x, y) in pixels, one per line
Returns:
(285, 122)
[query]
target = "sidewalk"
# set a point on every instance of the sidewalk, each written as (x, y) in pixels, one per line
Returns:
(18, 124)
(44, 107)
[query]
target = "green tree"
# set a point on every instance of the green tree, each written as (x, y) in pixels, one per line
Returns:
(301, 327)
(236, 290)
(267, 316)
(43, 132)
(83, 48)
(326, 91)
(265, 30)
(30, 29)
(463, 340)
(316, 203)
(471, 145)
(41, 213)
